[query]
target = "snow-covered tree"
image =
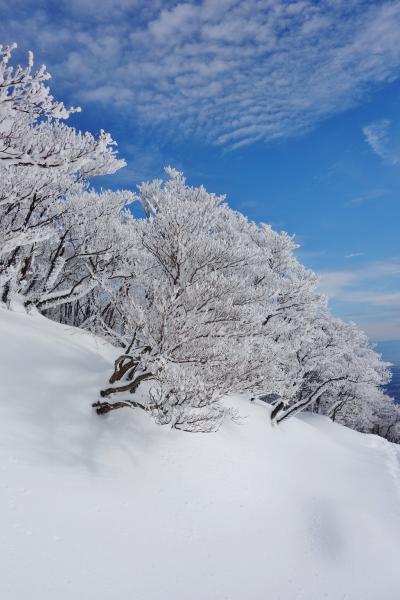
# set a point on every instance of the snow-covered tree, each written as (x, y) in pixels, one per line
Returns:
(364, 408)
(41, 160)
(217, 304)
(85, 255)
(333, 361)
(192, 330)
(200, 301)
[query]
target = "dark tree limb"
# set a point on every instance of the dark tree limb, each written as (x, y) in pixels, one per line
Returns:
(299, 406)
(277, 409)
(102, 408)
(122, 365)
(130, 387)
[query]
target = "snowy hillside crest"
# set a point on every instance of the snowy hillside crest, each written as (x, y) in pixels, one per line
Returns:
(300, 511)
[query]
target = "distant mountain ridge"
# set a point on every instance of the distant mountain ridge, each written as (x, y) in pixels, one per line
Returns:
(390, 351)
(393, 388)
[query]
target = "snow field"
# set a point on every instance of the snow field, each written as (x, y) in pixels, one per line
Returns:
(118, 507)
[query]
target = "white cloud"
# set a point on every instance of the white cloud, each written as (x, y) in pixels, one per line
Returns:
(368, 295)
(338, 284)
(370, 195)
(384, 140)
(381, 329)
(231, 72)
(333, 283)
(388, 299)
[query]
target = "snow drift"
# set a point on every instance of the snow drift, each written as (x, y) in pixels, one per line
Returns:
(118, 507)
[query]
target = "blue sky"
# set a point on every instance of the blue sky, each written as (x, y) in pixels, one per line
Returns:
(291, 108)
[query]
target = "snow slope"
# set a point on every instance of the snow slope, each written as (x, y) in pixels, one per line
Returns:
(100, 508)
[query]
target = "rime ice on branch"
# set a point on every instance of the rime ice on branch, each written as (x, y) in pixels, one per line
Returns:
(218, 304)
(42, 161)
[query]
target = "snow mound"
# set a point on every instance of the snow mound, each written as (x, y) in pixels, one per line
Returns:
(96, 508)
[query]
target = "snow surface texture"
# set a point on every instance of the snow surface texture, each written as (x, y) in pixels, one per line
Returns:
(116, 507)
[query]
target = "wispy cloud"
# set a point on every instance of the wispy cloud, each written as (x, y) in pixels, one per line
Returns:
(370, 195)
(384, 138)
(369, 295)
(388, 299)
(354, 255)
(381, 329)
(336, 283)
(230, 72)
